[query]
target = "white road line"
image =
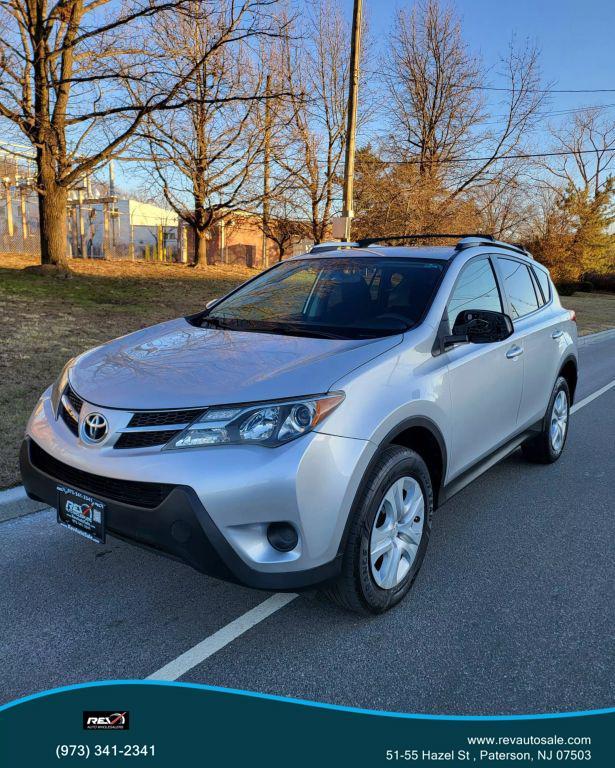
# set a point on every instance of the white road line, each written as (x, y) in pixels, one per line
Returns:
(203, 650)
(587, 400)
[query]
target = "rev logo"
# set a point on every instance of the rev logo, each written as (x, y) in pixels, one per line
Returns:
(106, 721)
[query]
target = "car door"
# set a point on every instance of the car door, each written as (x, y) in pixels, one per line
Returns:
(536, 334)
(485, 380)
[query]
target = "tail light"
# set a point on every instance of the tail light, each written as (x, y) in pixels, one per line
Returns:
(573, 315)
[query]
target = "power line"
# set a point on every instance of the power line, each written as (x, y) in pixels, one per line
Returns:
(554, 113)
(504, 157)
(541, 90)
(516, 90)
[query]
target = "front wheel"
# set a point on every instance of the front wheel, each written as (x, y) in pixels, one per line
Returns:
(388, 535)
(549, 444)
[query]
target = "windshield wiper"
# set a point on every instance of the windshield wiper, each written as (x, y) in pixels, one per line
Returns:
(215, 322)
(294, 329)
(303, 330)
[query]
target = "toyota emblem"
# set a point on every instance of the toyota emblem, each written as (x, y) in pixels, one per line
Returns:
(95, 427)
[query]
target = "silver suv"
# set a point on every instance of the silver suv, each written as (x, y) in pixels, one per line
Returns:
(301, 430)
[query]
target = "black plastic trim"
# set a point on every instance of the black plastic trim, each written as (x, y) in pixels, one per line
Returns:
(180, 528)
(486, 462)
(412, 421)
(563, 364)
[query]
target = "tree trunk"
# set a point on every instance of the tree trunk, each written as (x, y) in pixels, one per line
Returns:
(200, 247)
(53, 210)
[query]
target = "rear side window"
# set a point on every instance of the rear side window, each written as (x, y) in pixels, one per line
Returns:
(543, 281)
(519, 287)
(476, 288)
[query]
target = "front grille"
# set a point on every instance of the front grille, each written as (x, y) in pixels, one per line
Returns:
(145, 439)
(158, 418)
(139, 494)
(69, 421)
(73, 398)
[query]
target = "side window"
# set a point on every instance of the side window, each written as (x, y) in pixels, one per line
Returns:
(519, 287)
(543, 281)
(476, 288)
(537, 290)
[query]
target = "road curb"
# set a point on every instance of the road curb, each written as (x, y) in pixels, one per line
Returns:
(593, 338)
(14, 502)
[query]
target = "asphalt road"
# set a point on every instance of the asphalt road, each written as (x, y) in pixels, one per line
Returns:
(513, 611)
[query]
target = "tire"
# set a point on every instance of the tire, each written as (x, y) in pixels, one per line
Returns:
(544, 449)
(365, 584)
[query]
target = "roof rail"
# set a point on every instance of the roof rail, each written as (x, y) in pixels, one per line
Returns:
(463, 241)
(367, 241)
(471, 241)
(331, 245)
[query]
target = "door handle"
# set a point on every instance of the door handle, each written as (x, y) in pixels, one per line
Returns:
(514, 352)
(557, 334)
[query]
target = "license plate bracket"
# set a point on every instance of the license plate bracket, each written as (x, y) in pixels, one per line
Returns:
(82, 513)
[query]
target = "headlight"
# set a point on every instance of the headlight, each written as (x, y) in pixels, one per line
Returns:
(267, 424)
(59, 386)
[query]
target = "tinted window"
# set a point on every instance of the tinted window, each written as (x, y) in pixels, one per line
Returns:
(543, 280)
(519, 287)
(476, 288)
(351, 297)
(537, 290)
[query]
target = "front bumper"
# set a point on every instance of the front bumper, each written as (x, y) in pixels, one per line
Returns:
(225, 496)
(179, 527)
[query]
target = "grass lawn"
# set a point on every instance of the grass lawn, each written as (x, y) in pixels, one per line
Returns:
(595, 311)
(46, 320)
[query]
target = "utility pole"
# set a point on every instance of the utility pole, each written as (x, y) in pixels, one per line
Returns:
(266, 169)
(112, 206)
(353, 95)
(9, 206)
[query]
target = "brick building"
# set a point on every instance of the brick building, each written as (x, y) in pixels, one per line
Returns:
(238, 239)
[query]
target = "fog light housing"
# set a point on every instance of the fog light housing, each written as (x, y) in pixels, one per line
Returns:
(282, 536)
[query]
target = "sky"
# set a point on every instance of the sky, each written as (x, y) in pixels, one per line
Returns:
(576, 39)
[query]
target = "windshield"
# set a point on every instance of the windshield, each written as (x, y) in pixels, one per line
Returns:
(344, 297)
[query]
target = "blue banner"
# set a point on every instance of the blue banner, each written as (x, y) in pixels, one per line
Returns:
(175, 724)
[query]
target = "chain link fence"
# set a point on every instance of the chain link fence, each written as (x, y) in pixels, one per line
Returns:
(121, 229)
(103, 225)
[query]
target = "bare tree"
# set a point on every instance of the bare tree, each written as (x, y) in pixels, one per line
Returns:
(505, 204)
(437, 98)
(203, 154)
(433, 83)
(316, 70)
(61, 67)
(571, 228)
(590, 141)
(285, 230)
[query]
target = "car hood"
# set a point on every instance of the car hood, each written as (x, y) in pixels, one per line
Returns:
(178, 365)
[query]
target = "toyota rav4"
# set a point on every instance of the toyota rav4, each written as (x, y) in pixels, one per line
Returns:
(301, 430)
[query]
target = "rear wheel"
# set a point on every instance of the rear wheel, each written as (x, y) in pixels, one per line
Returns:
(548, 446)
(388, 535)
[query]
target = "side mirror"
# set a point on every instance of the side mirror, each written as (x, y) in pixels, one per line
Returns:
(210, 303)
(479, 326)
